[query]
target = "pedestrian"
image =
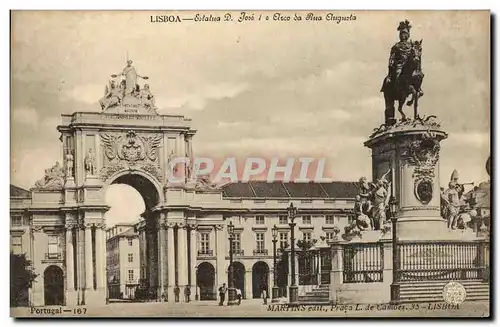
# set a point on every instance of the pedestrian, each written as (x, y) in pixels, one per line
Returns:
(264, 295)
(222, 294)
(238, 295)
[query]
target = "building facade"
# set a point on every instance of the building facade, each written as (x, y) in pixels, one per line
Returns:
(200, 249)
(122, 261)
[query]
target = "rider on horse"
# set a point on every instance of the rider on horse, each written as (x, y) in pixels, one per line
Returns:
(400, 53)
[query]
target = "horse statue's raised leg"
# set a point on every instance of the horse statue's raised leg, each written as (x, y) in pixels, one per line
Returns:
(415, 106)
(400, 108)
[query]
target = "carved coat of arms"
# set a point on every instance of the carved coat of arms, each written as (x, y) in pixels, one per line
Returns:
(424, 155)
(131, 150)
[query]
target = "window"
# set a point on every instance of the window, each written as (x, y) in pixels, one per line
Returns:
(53, 244)
(259, 220)
(130, 241)
(130, 275)
(17, 221)
(330, 220)
(329, 236)
(17, 245)
(204, 243)
(283, 219)
(130, 257)
(260, 242)
(306, 236)
(306, 220)
(283, 240)
(237, 243)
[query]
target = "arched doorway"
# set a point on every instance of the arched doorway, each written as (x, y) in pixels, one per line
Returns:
(260, 279)
(205, 279)
(239, 277)
(143, 284)
(53, 281)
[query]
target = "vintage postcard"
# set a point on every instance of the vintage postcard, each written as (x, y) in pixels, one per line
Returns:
(250, 164)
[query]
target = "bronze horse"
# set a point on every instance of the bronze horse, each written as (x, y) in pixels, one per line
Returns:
(408, 84)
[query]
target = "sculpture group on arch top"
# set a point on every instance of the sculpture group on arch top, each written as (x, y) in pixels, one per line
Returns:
(123, 90)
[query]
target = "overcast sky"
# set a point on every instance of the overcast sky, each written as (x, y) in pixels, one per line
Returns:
(257, 88)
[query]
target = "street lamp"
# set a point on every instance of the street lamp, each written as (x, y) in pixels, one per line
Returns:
(275, 287)
(231, 292)
(393, 209)
(294, 289)
(196, 297)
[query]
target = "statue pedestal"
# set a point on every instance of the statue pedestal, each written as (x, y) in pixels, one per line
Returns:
(411, 150)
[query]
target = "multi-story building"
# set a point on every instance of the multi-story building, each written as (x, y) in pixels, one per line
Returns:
(254, 208)
(122, 261)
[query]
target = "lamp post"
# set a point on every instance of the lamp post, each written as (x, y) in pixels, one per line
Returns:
(231, 292)
(294, 289)
(275, 287)
(393, 209)
(196, 297)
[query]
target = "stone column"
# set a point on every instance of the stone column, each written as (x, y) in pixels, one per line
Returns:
(70, 277)
(248, 283)
(89, 274)
(171, 261)
(337, 273)
(37, 288)
(80, 264)
(100, 253)
(182, 259)
(220, 268)
(162, 273)
(192, 264)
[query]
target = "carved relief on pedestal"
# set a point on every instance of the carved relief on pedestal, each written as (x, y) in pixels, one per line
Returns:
(131, 151)
(423, 154)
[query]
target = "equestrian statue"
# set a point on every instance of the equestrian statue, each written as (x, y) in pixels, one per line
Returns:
(405, 75)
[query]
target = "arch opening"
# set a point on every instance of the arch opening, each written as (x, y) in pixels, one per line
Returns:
(53, 281)
(144, 186)
(239, 277)
(205, 280)
(260, 279)
(135, 197)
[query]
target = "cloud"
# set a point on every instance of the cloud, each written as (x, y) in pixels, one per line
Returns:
(28, 116)
(197, 100)
(472, 139)
(87, 93)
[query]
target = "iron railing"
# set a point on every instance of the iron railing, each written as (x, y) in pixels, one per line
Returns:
(260, 251)
(238, 252)
(363, 262)
(53, 256)
(425, 261)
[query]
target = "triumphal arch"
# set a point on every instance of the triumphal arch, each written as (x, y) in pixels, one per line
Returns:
(128, 142)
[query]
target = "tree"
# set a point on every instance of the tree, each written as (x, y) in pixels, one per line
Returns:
(22, 276)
